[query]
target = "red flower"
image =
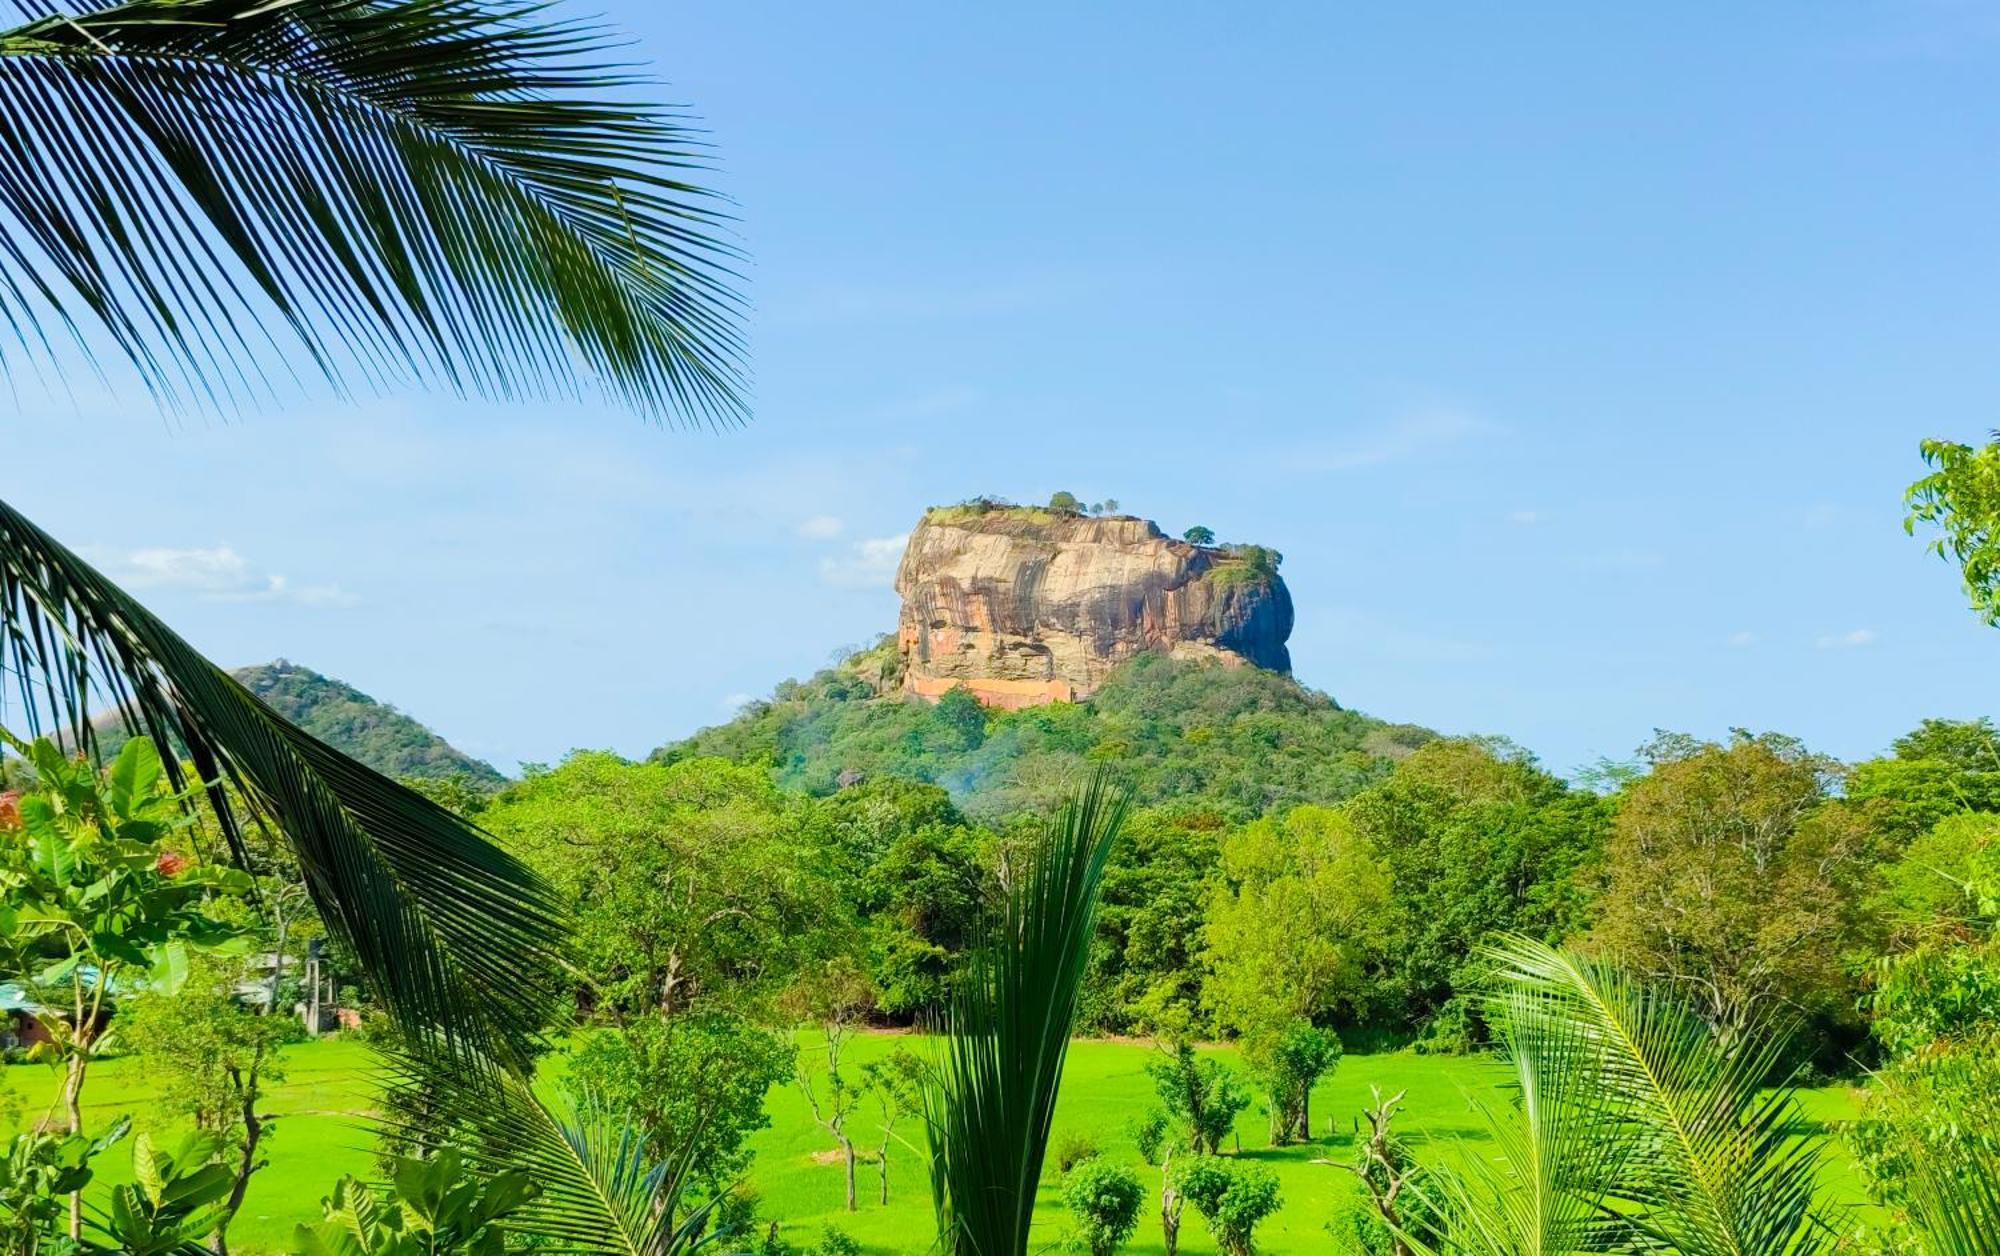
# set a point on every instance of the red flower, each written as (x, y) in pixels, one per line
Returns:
(172, 865)
(10, 810)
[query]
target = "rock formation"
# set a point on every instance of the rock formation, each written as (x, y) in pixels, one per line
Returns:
(1025, 606)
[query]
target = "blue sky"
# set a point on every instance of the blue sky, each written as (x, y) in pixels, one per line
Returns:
(1575, 359)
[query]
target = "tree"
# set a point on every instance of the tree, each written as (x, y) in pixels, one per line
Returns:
(1233, 1197)
(1148, 967)
(450, 194)
(1940, 769)
(96, 898)
(1478, 840)
(1961, 499)
(1198, 535)
(214, 1057)
(1103, 1201)
(1733, 875)
(897, 1083)
(1065, 503)
(837, 997)
(962, 717)
(1291, 1061)
(1199, 1094)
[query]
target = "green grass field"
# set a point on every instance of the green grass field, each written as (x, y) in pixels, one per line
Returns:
(326, 1093)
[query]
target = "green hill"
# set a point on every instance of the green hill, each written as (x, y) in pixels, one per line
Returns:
(374, 732)
(1236, 740)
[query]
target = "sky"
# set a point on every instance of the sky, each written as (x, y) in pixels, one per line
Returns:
(1574, 356)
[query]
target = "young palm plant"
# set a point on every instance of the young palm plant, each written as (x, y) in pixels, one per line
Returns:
(1637, 1128)
(993, 1092)
(443, 191)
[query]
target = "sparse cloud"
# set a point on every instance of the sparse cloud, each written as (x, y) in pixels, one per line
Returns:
(1851, 640)
(733, 702)
(1742, 640)
(1413, 436)
(821, 528)
(1524, 518)
(869, 564)
(213, 574)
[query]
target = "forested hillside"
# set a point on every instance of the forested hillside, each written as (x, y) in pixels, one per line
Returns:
(1236, 740)
(374, 732)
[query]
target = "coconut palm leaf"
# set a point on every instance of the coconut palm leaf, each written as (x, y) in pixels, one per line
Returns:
(460, 941)
(993, 1093)
(450, 191)
(1709, 1161)
(598, 1194)
(1540, 1188)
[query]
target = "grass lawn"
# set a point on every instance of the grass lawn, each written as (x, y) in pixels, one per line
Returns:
(326, 1091)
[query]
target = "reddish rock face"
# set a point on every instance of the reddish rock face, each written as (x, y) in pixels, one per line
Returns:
(1024, 607)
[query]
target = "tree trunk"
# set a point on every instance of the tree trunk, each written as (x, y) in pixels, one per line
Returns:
(278, 963)
(847, 1150)
(882, 1168)
(72, 1097)
(246, 1164)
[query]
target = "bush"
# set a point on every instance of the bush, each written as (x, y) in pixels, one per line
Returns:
(1072, 1149)
(1290, 1062)
(835, 1242)
(1232, 1198)
(1201, 1094)
(1149, 1132)
(1104, 1199)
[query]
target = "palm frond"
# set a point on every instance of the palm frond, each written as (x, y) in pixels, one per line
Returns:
(460, 941)
(1540, 1188)
(598, 1194)
(994, 1092)
(451, 191)
(1711, 1163)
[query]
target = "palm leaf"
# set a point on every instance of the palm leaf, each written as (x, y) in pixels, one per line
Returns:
(459, 940)
(1711, 1162)
(597, 1192)
(1540, 1188)
(451, 191)
(993, 1095)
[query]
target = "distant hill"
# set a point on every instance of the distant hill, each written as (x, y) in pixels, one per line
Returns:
(1235, 740)
(374, 732)
(352, 722)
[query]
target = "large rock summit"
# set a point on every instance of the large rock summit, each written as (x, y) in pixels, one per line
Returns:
(1024, 606)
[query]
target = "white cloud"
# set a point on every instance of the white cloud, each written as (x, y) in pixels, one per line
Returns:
(1417, 434)
(215, 574)
(1742, 640)
(869, 564)
(1524, 518)
(1848, 640)
(734, 702)
(821, 528)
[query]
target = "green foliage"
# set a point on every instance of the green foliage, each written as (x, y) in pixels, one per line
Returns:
(1149, 1134)
(1199, 1094)
(1290, 1060)
(1943, 768)
(1735, 874)
(1233, 1198)
(1477, 839)
(1198, 535)
(175, 1198)
(834, 1241)
(1073, 1148)
(1302, 915)
(1234, 741)
(695, 1083)
(748, 904)
(1065, 503)
(961, 717)
(435, 1207)
(37, 1171)
(1103, 1201)
(993, 1095)
(1147, 965)
(1961, 499)
(210, 1053)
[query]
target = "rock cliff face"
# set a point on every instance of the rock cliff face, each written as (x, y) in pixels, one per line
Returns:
(1026, 606)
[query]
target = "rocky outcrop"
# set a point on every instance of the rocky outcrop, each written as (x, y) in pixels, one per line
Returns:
(1025, 606)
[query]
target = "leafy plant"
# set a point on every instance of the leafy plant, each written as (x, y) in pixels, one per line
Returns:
(175, 1198)
(1103, 1201)
(38, 1170)
(993, 1095)
(434, 1207)
(1292, 1061)
(1233, 1197)
(1201, 1095)
(1073, 1148)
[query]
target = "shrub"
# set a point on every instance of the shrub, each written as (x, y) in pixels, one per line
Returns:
(1232, 1198)
(835, 1242)
(1104, 1199)
(1149, 1132)
(1201, 1094)
(1072, 1149)
(1290, 1062)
